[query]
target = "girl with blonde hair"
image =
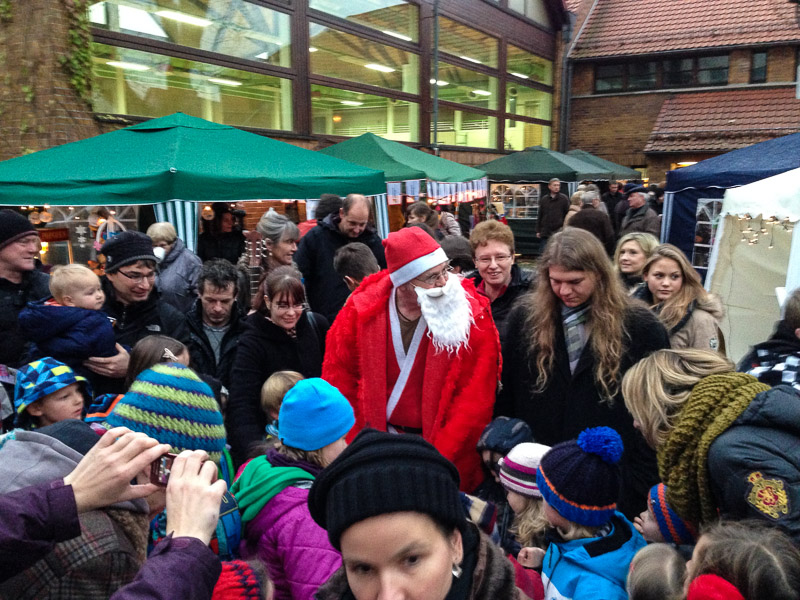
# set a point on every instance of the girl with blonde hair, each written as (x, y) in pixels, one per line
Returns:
(728, 446)
(568, 344)
(676, 294)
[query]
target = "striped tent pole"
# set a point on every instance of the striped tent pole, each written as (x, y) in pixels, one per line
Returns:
(183, 216)
(381, 203)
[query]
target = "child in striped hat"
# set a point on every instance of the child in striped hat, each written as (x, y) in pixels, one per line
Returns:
(659, 523)
(518, 477)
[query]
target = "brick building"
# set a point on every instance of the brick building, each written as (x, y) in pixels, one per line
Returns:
(656, 83)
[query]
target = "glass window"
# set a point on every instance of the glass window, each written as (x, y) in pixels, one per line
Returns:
(525, 65)
(758, 67)
(132, 82)
(519, 201)
(533, 9)
(236, 28)
(345, 56)
(528, 102)
(466, 87)
(392, 17)
(678, 71)
(712, 70)
(520, 135)
(609, 78)
(346, 113)
(461, 128)
(642, 76)
(467, 43)
(708, 216)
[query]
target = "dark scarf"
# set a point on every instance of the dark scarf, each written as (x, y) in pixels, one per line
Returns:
(276, 459)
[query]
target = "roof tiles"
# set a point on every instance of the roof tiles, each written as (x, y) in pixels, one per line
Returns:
(724, 120)
(636, 27)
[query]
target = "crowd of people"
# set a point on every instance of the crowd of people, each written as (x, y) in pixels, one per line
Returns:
(329, 415)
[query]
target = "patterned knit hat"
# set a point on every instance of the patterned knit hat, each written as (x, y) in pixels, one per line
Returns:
(13, 226)
(239, 581)
(503, 433)
(125, 248)
(673, 528)
(409, 253)
(518, 469)
(42, 377)
(171, 404)
(580, 478)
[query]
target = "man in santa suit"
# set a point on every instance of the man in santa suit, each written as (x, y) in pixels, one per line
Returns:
(415, 350)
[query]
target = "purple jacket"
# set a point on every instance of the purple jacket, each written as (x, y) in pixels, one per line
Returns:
(296, 550)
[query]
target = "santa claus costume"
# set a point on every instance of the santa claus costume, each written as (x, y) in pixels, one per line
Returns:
(442, 383)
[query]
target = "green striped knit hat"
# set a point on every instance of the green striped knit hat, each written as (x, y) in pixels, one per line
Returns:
(171, 404)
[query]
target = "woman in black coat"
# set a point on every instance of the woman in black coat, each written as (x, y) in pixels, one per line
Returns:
(280, 336)
(559, 392)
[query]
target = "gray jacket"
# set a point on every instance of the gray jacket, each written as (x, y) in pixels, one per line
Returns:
(177, 277)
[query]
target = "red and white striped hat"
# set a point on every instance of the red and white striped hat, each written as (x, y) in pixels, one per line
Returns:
(518, 468)
(409, 253)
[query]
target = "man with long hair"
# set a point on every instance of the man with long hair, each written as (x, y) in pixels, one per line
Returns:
(569, 343)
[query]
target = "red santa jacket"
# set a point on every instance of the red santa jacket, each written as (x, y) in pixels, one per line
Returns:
(459, 390)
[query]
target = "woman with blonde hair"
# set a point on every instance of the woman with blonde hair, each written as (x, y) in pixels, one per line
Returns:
(633, 250)
(674, 291)
(727, 445)
(568, 344)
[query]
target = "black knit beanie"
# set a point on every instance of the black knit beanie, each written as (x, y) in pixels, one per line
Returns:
(126, 248)
(13, 226)
(381, 473)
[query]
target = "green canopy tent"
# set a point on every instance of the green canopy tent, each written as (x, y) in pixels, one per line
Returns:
(537, 164)
(404, 166)
(178, 159)
(617, 171)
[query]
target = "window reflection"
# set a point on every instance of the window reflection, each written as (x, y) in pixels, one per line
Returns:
(528, 102)
(139, 83)
(525, 65)
(466, 87)
(461, 128)
(391, 17)
(521, 134)
(232, 27)
(467, 43)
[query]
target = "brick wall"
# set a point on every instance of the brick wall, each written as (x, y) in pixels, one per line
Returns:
(739, 66)
(781, 64)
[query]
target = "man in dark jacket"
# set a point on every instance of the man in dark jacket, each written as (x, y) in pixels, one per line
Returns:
(326, 290)
(612, 196)
(133, 304)
(595, 221)
(639, 216)
(215, 322)
(20, 281)
(553, 207)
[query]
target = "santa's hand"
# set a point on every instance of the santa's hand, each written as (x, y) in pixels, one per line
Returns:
(531, 558)
(113, 366)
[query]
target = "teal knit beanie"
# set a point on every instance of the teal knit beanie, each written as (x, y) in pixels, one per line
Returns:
(171, 404)
(314, 414)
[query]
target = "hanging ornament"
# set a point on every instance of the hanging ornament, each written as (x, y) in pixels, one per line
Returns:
(34, 218)
(45, 216)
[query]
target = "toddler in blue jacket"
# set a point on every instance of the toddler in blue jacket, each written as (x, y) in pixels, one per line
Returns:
(70, 326)
(591, 543)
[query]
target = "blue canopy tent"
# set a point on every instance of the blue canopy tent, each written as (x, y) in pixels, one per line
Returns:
(708, 180)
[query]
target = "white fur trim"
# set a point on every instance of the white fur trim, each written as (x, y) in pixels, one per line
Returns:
(417, 267)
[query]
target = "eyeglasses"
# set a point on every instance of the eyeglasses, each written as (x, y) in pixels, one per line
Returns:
(286, 306)
(499, 259)
(432, 279)
(138, 277)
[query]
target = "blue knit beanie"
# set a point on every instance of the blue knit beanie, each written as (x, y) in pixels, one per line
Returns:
(171, 404)
(673, 528)
(42, 377)
(580, 478)
(314, 414)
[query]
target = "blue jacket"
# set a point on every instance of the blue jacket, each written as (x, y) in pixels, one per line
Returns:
(67, 333)
(591, 568)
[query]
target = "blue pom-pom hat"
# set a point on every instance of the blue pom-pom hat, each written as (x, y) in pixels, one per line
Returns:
(580, 478)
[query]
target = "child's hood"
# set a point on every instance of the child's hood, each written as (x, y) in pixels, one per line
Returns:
(30, 458)
(41, 321)
(608, 557)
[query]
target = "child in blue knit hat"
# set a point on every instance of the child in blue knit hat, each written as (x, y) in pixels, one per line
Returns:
(272, 490)
(591, 543)
(48, 391)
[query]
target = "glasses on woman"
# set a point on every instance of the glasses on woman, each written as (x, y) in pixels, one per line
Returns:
(284, 306)
(500, 259)
(434, 278)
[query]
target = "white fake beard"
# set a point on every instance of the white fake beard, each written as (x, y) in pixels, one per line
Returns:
(448, 315)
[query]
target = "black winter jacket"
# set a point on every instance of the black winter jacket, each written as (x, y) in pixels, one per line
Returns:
(263, 349)
(552, 210)
(597, 223)
(572, 402)
(35, 285)
(133, 322)
(202, 354)
(757, 458)
(326, 289)
(521, 280)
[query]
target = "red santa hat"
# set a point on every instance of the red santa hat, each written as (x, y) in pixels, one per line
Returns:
(409, 253)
